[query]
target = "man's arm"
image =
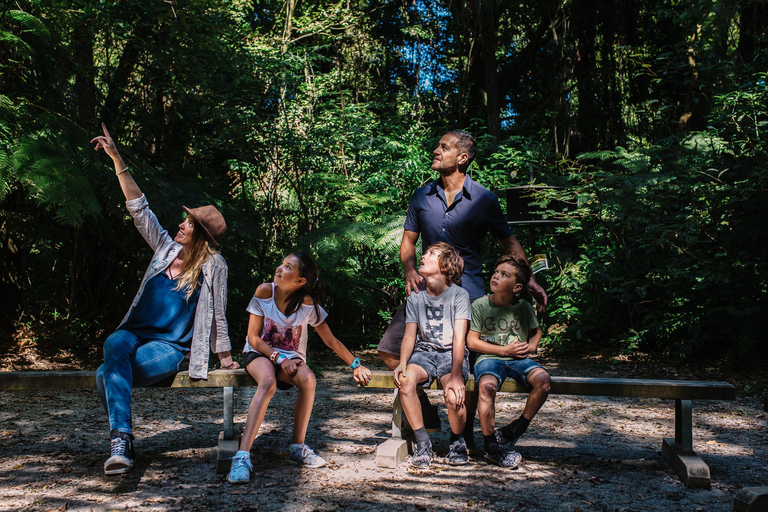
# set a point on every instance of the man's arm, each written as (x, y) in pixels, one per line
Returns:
(512, 247)
(413, 281)
(533, 341)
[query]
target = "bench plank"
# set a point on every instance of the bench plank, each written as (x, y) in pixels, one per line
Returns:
(20, 381)
(216, 379)
(30, 380)
(590, 386)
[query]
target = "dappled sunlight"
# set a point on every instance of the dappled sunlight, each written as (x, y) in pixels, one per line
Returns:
(578, 452)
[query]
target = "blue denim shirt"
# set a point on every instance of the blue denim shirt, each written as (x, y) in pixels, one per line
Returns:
(210, 332)
(475, 211)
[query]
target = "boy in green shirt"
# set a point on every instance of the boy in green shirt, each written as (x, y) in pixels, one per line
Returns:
(504, 331)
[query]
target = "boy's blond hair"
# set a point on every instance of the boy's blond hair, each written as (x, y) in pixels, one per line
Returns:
(450, 263)
(522, 269)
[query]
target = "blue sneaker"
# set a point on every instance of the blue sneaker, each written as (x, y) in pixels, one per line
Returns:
(303, 455)
(240, 472)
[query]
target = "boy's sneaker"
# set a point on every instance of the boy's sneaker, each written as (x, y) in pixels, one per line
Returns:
(121, 455)
(422, 456)
(503, 438)
(457, 453)
(240, 471)
(303, 455)
(501, 457)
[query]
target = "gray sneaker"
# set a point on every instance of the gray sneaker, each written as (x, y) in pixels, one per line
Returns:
(304, 456)
(422, 456)
(501, 457)
(121, 454)
(457, 453)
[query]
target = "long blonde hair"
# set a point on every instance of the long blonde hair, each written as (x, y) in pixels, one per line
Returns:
(189, 276)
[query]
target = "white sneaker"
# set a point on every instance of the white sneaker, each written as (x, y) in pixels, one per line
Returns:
(240, 471)
(303, 455)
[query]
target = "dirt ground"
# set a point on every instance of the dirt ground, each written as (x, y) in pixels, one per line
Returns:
(580, 454)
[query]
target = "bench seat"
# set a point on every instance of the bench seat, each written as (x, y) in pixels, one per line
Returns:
(226, 379)
(678, 451)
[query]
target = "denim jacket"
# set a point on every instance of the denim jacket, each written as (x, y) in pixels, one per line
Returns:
(210, 327)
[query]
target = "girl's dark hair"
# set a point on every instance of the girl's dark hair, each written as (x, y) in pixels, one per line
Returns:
(313, 287)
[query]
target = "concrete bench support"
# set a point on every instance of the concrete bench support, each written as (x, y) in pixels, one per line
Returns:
(394, 451)
(679, 453)
(229, 441)
(751, 499)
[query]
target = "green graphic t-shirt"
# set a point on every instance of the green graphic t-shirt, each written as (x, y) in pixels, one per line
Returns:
(501, 325)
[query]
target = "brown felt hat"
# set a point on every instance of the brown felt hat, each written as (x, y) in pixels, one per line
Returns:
(212, 222)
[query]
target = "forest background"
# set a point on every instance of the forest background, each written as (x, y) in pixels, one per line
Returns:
(309, 124)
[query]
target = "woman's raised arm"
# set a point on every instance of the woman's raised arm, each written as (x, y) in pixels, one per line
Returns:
(130, 188)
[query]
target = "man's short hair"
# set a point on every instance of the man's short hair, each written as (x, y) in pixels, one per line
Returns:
(466, 145)
(450, 262)
(522, 269)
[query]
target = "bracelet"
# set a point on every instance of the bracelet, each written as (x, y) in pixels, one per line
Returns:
(118, 173)
(277, 358)
(355, 363)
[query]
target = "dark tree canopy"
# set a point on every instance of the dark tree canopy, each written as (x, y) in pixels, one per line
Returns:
(309, 124)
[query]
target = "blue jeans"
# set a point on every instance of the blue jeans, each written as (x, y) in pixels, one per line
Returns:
(518, 369)
(131, 361)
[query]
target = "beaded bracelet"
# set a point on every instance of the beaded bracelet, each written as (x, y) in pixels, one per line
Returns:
(355, 363)
(118, 173)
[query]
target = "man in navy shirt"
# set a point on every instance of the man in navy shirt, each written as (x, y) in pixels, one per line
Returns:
(457, 210)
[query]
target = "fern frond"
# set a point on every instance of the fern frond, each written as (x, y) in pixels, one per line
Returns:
(47, 170)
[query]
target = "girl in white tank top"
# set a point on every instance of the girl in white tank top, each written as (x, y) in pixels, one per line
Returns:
(276, 353)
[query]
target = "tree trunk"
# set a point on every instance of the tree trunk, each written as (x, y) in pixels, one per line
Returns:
(753, 27)
(487, 20)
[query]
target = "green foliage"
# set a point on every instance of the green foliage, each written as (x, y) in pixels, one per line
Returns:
(669, 247)
(309, 124)
(50, 173)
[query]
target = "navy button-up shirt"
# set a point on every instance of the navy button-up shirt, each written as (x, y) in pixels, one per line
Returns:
(475, 211)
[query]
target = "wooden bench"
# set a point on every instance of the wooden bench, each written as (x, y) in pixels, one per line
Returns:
(678, 451)
(229, 440)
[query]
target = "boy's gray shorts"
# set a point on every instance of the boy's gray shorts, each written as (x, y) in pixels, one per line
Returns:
(437, 364)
